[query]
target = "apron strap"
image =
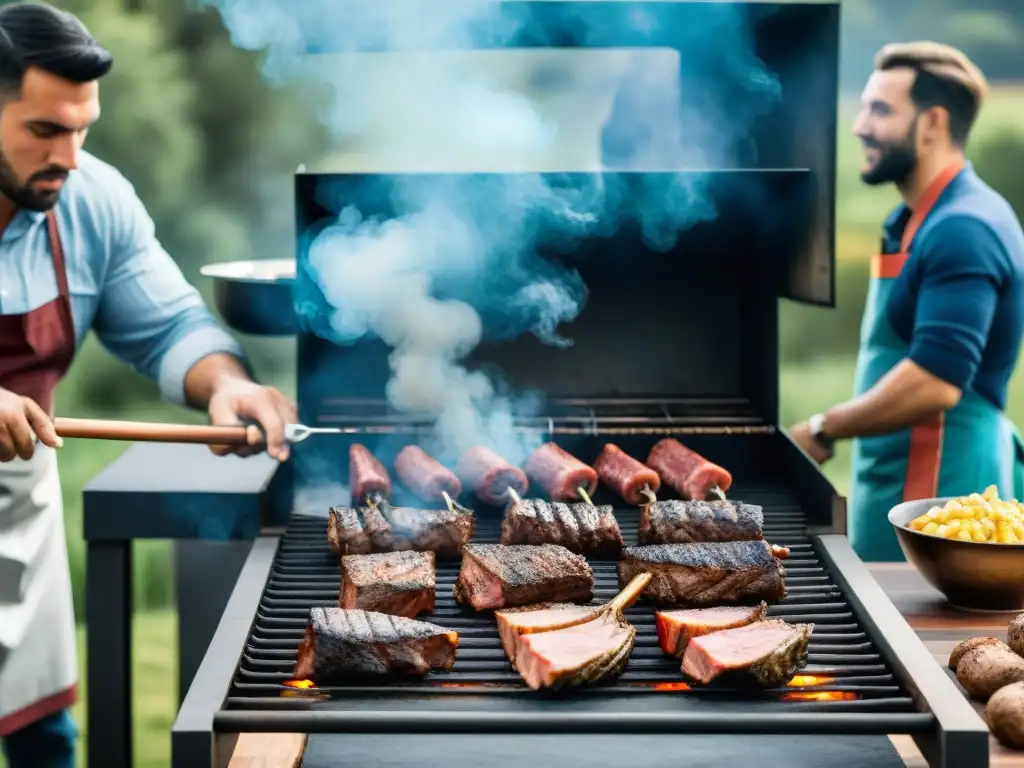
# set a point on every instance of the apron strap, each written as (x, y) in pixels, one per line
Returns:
(57, 252)
(928, 200)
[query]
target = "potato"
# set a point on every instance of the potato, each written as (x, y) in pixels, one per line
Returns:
(1015, 635)
(1005, 713)
(984, 670)
(969, 645)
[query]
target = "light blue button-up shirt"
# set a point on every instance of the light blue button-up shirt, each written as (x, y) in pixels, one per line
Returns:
(123, 284)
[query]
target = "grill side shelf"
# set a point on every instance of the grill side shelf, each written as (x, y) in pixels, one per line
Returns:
(960, 738)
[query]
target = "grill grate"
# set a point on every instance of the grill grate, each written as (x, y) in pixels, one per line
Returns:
(845, 672)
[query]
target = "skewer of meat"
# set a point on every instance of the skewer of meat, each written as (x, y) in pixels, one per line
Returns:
(366, 476)
(580, 527)
(689, 473)
(425, 476)
(490, 476)
(630, 479)
(561, 474)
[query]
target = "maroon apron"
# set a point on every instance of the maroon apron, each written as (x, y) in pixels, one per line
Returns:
(38, 664)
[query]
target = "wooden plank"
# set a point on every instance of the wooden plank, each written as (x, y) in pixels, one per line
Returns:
(268, 750)
(940, 627)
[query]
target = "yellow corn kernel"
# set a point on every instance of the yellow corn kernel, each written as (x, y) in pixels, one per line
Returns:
(965, 535)
(953, 526)
(1018, 529)
(988, 525)
(949, 533)
(1004, 532)
(932, 528)
(990, 493)
(979, 536)
(941, 531)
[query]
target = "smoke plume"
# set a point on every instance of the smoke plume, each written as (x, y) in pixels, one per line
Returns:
(458, 263)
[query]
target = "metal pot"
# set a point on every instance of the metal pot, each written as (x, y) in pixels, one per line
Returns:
(255, 296)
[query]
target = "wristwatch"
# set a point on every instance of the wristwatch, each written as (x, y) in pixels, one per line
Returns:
(816, 425)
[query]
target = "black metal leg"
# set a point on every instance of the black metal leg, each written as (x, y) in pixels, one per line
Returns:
(108, 610)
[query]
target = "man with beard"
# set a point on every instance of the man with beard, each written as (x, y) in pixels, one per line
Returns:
(77, 253)
(945, 309)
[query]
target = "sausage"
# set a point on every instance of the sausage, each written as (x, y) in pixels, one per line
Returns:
(424, 475)
(689, 473)
(366, 475)
(560, 473)
(625, 475)
(490, 476)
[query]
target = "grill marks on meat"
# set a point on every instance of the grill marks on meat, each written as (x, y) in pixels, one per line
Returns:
(490, 476)
(545, 617)
(690, 474)
(341, 645)
(424, 475)
(766, 654)
(677, 628)
(708, 573)
(398, 583)
(560, 473)
(625, 475)
(366, 475)
(383, 528)
(582, 528)
(681, 522)
(498, 576)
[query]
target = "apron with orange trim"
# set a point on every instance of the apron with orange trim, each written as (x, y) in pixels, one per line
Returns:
(955, 453)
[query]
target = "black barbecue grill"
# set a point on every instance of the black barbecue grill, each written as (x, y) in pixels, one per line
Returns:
(682, 343)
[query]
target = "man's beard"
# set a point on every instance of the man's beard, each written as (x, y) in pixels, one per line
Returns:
(896, 162)
(23, 195)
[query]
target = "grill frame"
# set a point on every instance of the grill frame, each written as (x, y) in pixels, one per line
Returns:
(945, 726)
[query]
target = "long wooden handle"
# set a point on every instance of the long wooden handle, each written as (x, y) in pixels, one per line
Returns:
(155, 432)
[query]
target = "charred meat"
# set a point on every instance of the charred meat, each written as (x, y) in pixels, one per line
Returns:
(366, 475)
(424, 475)
(398, 583)
(677, 628)
(582, 528)
(560, 473)
(345, 532)
(490, 476)
(383, 528)
(499, 576)
(707, 574)
(629, 478)
(683, 522)
(341, 645)
(766, 654)
(690, 474)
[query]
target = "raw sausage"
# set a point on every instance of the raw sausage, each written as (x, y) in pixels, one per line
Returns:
(490, 476)
(424, 475)
(560, 473)
(366, 475)
(625, 475)
(689, 473)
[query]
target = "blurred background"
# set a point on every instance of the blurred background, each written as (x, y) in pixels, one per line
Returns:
(211, 149)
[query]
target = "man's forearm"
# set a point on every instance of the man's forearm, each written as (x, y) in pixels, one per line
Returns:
(904, 396)
(208, 374)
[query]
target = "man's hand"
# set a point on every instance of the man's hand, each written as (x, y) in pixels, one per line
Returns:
(801, 434)
(237, 399)
(21, 420)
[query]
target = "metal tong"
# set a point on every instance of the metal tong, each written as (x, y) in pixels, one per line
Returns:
(158, 432)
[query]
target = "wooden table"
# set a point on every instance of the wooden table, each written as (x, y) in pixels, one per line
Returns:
(936, 624)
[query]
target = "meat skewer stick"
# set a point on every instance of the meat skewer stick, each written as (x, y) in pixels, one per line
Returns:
(690, 474)
(630, 479)
(561, 474)
(367, 476)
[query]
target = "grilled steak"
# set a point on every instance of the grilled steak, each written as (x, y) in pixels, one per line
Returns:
(498, 576)
(399, 583)
(514, 622)
(442, 531)
(490, 476)
(560, 473)
(341, 645)
(766, 653)
(677, 628)
(345, 533)
(690, 474)
(682, 522)
(366, 475)
(581, 528)
(625, 475)
(424, 475)
(707, 574)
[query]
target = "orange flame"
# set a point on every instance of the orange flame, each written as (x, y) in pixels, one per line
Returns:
(299, 683)
(671, 687)
(820, 696)
(806, 681)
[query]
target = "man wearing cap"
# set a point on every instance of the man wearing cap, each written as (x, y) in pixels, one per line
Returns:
(77, 253)
(944, 315)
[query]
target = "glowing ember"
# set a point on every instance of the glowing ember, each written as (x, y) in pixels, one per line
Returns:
(671, 687)
(299, 683)
(805, 681)
(820, 696)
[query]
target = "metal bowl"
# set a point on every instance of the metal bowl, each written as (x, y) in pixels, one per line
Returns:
(972, 575)
(255, 297)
